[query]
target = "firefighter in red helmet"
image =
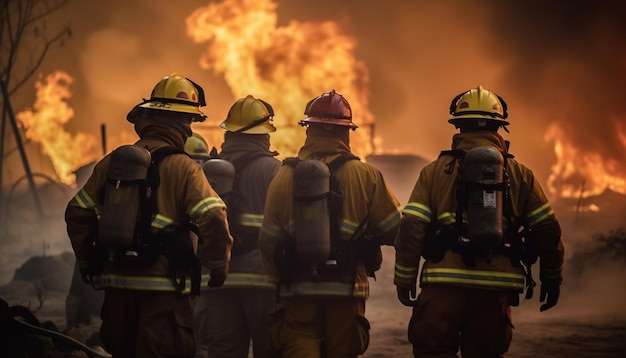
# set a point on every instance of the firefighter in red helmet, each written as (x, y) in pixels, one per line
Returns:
(326, 215)
(129, 227)
(479, 218)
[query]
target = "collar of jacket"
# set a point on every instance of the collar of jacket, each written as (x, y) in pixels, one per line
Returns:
(323, 145)
(237, 145)
(155, 130)
(469, 140)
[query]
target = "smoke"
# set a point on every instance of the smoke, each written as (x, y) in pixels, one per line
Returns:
(568, 60)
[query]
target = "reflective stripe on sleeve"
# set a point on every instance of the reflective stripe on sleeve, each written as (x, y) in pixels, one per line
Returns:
(539, 214)
(447, 218)
(274, 231)
(349, 227)
(251, 220)
(205, 205)
(161, 222)
(390, 221)
(419, 210)
(405, 273)
(84, 200)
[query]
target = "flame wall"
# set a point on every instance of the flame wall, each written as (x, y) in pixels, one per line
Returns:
(560, 66)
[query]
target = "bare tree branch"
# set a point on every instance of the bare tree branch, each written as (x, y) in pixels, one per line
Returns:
(24, 40)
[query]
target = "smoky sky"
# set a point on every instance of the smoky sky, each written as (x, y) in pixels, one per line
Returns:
(557, 62)
(582, 44)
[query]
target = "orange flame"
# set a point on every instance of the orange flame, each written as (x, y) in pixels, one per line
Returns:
(582, 172)
(44, 125)
(285, 66)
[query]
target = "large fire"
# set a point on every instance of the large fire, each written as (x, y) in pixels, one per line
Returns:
(580, 172)
(44, 125)
(285, 66)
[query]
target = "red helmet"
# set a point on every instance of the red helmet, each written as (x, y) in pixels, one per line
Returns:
(329, 108)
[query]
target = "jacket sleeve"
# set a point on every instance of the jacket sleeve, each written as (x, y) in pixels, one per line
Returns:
(546, 233)
(276, 220)
(208, 211)
(385, 211)
(409, 243)
(81, 215)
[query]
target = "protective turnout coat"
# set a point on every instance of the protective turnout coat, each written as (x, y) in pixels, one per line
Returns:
(183, 194)
(434, 200)
(246, 269)
(367, 199)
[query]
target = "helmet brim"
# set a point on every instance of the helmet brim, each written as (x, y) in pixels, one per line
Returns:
(334, 121)
(264, 128)
(461, 119)
(173, 107)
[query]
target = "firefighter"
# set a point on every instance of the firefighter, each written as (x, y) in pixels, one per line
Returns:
(466, 293)
(227, 318)
(147, 309)
(197, 148)
(321, 308)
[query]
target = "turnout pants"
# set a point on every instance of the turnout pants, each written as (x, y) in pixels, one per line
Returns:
(306, 327)
(227, 319)
(147, 324)
(446, 318)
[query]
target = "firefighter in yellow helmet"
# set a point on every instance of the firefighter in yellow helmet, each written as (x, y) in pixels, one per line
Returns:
(197, 148)
(479, 218)
(320, 250)
(228, 318)
(149, 269)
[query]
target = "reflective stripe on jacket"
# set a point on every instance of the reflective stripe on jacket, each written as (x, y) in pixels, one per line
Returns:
(183, 195)
(434, 196)
(366, 199)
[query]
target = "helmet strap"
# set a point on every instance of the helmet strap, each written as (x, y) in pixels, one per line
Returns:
(252, 124)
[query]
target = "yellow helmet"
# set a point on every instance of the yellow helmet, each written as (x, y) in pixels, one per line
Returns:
(249, 115)
(197, 148)
(176, 93)
(477, 107)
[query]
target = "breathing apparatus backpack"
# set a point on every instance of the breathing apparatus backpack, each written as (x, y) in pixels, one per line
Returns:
(124, 235)
(225, 178)
(317, 218)
(483, 199)
(481, 193)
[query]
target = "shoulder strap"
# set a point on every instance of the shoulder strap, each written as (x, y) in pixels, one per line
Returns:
(152, 182)
(340, 160)
(160, 153)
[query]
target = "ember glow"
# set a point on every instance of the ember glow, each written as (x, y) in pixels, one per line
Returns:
(581, 171)
(44, 124)
(286, 66)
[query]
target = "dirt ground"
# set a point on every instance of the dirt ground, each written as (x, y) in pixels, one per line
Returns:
(589, 321)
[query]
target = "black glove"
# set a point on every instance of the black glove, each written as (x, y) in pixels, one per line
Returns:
(217, 278)
(550, 293)
(407, 295)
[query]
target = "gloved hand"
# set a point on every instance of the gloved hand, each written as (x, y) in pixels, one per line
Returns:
(407, 295)
(550, 293)
(217, 278)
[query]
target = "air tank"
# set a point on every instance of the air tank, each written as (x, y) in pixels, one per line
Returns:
(483, 169)
(221, 175)
(126, 177)
(311, 187)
